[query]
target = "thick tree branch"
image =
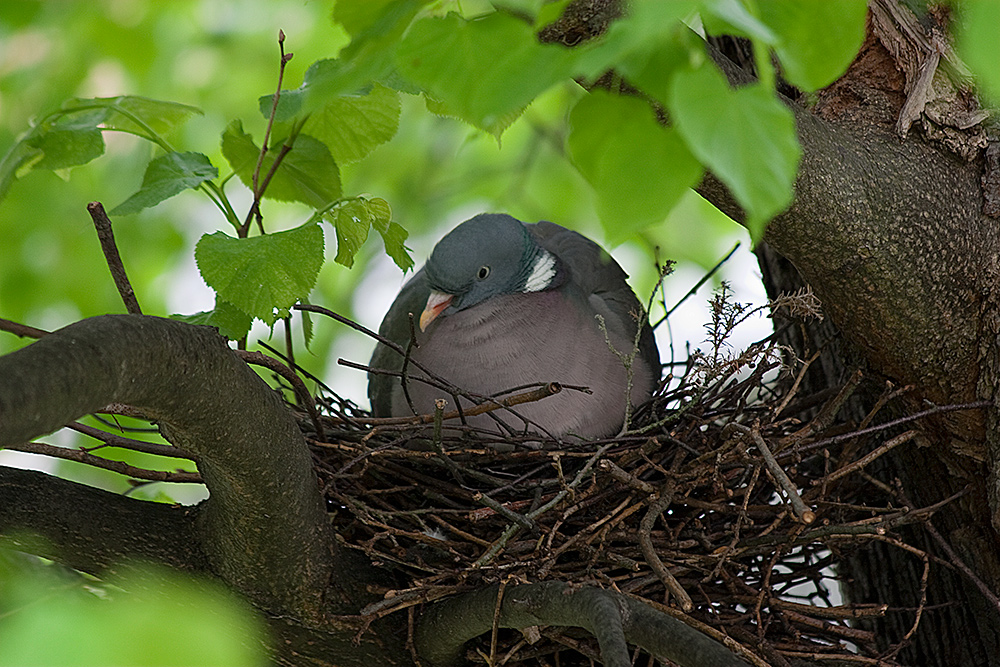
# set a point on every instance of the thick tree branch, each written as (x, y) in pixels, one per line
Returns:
(264, 528)
(103, 529)
(611, 617)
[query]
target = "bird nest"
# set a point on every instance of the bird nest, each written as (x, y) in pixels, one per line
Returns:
(727, 502)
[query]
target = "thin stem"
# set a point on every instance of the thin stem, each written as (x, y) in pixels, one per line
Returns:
(106, 236)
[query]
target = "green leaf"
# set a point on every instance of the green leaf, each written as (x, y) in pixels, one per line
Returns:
(977, 42)
(746, 137)
(732, 17)
(650, 26)
(369, 58)
(355, 218)
(818, 39)
(167, 176)
(639, 171)
(481, 70)
(358, 15)
(65, 148)
(262, 274)
(307, 173)
(393, 235)
(381, 213)
(352, 221)
(394, 238)
(134, 114)
(352, 126)
(231, 322)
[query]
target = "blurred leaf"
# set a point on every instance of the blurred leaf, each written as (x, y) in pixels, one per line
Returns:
(136, 115)
(352, 126)
(262, 274)
(651, 26)
(307, 173)
(818, 39)
(18, 161)
(167, 176)
(72, 136)
(639, 171)
(65, 148)
(978, 44)
(746, 137)
(549, 12)
(369, 58)
(731, 17)
(231, 322)
(358, 15)
(481, 70)
(148, 616)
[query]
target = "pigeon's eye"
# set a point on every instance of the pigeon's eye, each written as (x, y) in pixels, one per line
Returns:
(483, 272)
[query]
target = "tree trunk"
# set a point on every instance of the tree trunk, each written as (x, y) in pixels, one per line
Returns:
(891, 235)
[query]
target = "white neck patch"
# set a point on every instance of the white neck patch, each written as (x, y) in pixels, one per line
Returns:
(542, 273)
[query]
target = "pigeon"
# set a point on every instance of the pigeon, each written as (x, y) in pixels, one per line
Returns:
(502, 304)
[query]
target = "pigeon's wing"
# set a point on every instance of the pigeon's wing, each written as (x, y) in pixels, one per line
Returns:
(602, 283)
(395, 327)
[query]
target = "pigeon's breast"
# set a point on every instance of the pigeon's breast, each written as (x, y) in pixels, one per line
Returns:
(513, 340)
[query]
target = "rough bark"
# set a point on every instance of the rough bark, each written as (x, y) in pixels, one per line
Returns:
(613, 618)
(264, 529)
(103, 529)
(891, 235)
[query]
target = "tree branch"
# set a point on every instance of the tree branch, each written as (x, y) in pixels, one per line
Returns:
(611, 617)
(265, 528)
(102, 530)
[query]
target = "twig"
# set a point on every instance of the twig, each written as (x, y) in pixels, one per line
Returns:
(697, 286)
(625, 477)
(496, 622)
(112, 440)
(957, 561)
(826, 414)
(504, 511)
(656, 508)
(805, 514)
(833, 440)
(544, 391)
(795, 385)
(258, 187)
(867, 458)
(21, 330)
(98, 462)
(107, 238)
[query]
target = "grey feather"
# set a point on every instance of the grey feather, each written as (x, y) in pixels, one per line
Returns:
(494, 336)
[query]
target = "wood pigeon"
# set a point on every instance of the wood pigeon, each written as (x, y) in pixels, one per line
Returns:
(501, 304)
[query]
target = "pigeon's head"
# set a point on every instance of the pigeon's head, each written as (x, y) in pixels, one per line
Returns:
(485, 256)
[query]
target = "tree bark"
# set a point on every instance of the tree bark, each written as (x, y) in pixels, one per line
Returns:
(103, 529)
(264, 529)
(890, 233)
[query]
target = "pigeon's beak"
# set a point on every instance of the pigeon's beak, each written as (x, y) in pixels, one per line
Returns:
(436, 303)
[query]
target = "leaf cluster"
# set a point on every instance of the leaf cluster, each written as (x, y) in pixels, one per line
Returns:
(484, 65)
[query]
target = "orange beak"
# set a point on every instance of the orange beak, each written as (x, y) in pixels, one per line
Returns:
(436, 303)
